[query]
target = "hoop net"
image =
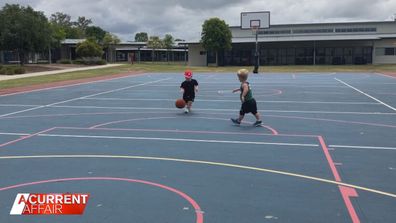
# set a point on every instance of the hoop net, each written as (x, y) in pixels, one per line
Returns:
(254, 25)
(255, 29)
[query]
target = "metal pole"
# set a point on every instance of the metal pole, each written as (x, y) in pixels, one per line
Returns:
(314, 54)
(256, 56)
(185, 54)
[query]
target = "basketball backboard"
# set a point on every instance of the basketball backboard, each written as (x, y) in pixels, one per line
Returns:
(249, 20)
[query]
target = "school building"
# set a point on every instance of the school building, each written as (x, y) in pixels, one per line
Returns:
(306, 44)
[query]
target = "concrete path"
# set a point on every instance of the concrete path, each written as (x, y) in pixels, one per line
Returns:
(9, 77)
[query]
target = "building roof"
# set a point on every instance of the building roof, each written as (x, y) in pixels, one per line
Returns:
(311, 38)
(327, 23)
(72, 41)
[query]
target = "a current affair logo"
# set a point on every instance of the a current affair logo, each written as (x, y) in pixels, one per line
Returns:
(49, 204)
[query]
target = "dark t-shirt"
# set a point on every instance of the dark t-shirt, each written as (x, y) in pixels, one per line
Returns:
(188, 87)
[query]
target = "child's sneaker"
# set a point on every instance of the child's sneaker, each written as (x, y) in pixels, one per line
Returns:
(258, 123)
(236, 121)
(186, 110)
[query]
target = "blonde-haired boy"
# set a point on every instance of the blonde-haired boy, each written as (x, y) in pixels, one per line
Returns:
(249, 104)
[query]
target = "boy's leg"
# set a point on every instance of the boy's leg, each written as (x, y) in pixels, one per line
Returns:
(258, 119)
(257, 115)
(189, 104)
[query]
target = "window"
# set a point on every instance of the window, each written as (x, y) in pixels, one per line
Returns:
(389, 51)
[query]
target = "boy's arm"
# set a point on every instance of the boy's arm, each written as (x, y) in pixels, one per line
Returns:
(196, 88)
(236, 90)
(181, 88)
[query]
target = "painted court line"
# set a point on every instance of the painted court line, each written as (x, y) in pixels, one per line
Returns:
(175, 131)
(385, 75)
(70, 85)
(26, 137)
(229, 110)
(363, 147)
(215, 100)
(18, 105)
(176, 140)
(75, 99)
(274, 132)
(197, 209)
(14, 134)
(237, 166)
(375, 99)
(346, 192)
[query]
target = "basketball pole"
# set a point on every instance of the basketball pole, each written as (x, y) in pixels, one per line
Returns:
(256, 56)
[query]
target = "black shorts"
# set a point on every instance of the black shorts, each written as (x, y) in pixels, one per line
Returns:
(188, 98)
(248, 106)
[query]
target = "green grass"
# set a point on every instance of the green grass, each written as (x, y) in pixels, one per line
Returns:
(180, 67)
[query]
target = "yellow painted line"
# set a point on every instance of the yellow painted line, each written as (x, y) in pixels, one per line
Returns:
(209, 163)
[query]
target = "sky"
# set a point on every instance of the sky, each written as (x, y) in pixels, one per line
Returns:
(183, 19)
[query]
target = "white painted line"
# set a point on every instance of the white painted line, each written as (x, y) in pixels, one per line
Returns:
(70, 85)
(394, 109)
(75, 99)
(16, 105)
(14, 134)
(179, 140)
(363, 147)
(208, 100)
(223, 110)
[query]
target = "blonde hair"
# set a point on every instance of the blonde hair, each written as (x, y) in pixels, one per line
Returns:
(243, 74)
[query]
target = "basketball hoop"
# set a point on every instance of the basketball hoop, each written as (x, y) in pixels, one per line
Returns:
(255, 21)
(254, 25)
(255, 30)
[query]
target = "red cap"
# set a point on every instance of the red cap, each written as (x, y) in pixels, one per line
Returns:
(188, 74)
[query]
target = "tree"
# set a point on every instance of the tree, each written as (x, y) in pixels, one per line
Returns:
(216, 35)
(63, 21)
(154, 43)
(89, 49)
(109, 40)
(95, 32)
(168, 44)
(141, 37)
(82, 23)
(24, 30)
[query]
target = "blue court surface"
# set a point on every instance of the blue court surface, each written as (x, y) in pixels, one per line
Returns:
(326, 151)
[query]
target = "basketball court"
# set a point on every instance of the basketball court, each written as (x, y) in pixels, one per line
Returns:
(325, 153)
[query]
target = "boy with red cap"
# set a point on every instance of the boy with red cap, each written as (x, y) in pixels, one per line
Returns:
(188, 88)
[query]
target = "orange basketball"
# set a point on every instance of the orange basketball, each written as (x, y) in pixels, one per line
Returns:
(180, 103)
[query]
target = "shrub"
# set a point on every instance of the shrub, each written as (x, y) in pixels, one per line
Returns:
(3, 70)
(89, 49)
(101, 62)
(19, 70)
(10, 71)
(79, 61)
(65, 61)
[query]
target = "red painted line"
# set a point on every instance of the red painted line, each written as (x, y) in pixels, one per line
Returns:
(61, 84)
(25, 137)
(346, 193)
(332, 120)
(170, 130)
(391, 75)
(189, 131)
(329, 159)
(273, 131)
(197, 208)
